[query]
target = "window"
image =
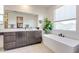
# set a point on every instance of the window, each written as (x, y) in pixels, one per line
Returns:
(1, 14)
(1, 17)
(65, 18)
(1, 9)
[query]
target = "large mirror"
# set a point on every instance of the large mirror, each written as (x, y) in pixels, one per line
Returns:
(14, 19)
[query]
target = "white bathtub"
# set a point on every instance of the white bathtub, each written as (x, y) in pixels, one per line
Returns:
(60, 44)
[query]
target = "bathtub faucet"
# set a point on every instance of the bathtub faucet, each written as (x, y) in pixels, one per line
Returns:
(61, 35)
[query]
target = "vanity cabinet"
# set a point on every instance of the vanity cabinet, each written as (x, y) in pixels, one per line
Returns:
(21, 38)
(9, 40)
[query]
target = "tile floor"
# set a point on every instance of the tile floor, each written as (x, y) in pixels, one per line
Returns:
(36, 48)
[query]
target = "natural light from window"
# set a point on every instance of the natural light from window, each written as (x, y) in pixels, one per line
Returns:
(65, 18)
(1, 17)
(1, 9)
(1, 14)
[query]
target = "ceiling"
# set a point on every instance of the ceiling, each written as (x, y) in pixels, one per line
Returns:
(43, 6)
(26, 8)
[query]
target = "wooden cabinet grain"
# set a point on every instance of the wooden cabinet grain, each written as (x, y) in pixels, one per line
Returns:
(10, 45)
(22, 38)
(38, 36)
(9, 39)
(34, 36)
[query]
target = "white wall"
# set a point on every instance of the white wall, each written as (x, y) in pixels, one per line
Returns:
(77, 16)
(27, 19)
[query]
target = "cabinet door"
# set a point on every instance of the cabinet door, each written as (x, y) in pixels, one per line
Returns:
(21, 39)
(10, 45)
(31, 37)
(38, 36)
(26, 38)
(20, 36)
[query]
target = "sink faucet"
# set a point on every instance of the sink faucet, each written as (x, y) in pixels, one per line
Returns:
(61, 35)
(25, 28)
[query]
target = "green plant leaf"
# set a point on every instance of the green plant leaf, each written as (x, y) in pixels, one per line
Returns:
(48, 25)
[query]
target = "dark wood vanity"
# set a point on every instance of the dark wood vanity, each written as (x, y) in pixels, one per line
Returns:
(21, 38)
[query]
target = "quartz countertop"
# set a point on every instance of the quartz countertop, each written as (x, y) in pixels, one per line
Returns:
(16, 30)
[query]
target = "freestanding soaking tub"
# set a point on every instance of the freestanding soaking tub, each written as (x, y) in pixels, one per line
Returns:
(61, 44)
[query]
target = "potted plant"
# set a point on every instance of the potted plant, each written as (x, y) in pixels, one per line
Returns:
(48, 25)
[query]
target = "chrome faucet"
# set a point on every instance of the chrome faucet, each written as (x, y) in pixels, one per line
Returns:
(61, 35)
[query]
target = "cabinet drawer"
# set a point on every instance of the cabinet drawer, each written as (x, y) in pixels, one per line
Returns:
(9, 39)
(9, 33)
(10, 45)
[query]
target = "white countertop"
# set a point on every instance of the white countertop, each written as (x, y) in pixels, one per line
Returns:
(16, 30)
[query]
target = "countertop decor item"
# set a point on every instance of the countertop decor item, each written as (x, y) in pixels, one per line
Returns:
(19, 22)
(40, 21)
(47, 26)
(37, 28)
